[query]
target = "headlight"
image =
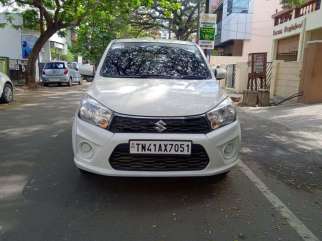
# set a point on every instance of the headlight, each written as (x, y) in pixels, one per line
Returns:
(95, 113)
(223, 114)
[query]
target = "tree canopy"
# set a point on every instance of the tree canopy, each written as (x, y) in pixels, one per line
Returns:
(97, 30)
(51, 16)
(291, 3)
(177, 16)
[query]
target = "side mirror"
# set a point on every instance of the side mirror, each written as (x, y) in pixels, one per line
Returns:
(220, 73)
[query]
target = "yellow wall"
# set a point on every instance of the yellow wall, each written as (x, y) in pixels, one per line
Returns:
(286, 78)
(316, 34)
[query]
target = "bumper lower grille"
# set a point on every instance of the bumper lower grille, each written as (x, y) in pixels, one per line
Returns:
(189, 125)
(122, 160)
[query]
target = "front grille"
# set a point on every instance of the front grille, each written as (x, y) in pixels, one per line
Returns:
(189, 125)
(122, 160)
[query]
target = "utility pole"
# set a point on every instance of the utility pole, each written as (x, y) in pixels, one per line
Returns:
(207, 6)
(198, 33)
(169, 33)
(207, 51)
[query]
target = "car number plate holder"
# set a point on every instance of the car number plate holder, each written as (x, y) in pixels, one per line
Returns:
(160, 147)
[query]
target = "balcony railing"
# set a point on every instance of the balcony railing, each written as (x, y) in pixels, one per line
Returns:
(287, 15)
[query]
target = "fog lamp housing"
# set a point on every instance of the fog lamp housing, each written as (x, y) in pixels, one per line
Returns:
(230, 149)
(85, 147)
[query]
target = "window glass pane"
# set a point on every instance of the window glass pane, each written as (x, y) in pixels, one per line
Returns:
(155, 60)
(55, 65)
(241, 6)
(229, 7)
(237, 6)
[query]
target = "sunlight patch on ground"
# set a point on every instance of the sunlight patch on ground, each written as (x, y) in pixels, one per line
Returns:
(11, 164)
(22, 131)
(11, 185)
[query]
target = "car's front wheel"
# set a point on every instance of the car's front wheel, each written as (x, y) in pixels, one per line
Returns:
(7, 94)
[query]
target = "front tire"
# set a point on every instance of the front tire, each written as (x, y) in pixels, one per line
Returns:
(7, 95)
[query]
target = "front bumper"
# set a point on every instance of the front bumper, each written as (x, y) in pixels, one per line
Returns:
(103, 143)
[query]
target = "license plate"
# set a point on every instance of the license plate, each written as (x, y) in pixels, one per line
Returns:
(54, 80)
(160, 147)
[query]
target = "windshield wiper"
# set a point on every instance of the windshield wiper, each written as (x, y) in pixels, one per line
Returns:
(146, 76)
(193, 77)
(171, 77)
(157, 76)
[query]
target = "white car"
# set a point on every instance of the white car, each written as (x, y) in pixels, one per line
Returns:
(61, 72)
(155, 109)
(87, 71)
(6, 89)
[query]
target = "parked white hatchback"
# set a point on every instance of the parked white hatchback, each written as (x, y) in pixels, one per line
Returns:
(155, 109)
(6, 89)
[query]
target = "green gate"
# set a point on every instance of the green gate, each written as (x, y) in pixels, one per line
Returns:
(4, 65)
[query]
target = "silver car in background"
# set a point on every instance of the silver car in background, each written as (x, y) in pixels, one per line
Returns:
(61, 72)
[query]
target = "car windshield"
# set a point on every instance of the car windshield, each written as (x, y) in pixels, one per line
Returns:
(55, 65)
(155, 60)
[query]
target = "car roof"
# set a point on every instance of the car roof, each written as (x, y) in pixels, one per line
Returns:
(57, 61)
(151, 40)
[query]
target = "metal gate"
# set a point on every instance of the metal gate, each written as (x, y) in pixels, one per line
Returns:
(17, 70)
(231, 74)
(269, 71)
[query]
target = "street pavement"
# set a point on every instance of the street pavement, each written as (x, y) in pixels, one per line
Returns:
(274, 194)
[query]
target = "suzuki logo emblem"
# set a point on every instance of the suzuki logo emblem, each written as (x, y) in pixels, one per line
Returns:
(160, 126)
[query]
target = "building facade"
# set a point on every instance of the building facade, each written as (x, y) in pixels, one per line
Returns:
(297, 52)
(243, 27)
(294, 29)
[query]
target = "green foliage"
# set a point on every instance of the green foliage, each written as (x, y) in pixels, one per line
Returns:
(92, 38)
(30, 19)
(177, 16)
(57, 54)
(99, 21)
(69, 57)
(108, 22)
(292, 3)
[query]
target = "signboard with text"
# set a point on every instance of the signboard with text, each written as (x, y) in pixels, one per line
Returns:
(207, 31)
(288, 29)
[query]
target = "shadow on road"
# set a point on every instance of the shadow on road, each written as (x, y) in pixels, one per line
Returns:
(293, 157)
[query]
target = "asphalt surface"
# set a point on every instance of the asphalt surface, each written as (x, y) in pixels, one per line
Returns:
(43, 197)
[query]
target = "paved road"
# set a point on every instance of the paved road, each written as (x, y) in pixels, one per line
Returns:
(44, 198)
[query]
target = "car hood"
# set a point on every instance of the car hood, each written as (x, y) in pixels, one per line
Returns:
(157, 97)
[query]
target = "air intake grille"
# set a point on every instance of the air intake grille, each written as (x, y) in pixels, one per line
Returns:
(190, 125)
(122, 160)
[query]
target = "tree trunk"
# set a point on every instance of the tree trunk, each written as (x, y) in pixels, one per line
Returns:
(179, 35)
(30, 69)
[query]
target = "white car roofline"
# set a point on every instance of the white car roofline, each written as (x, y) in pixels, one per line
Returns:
(148, 40)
